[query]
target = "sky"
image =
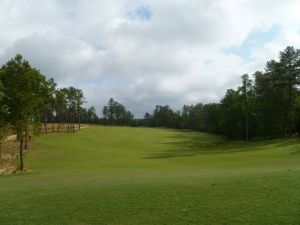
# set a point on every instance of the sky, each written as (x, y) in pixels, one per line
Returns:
(148, 52)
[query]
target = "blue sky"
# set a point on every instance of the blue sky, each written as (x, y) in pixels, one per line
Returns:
(255, 40)
(148, 52)
(141, 13)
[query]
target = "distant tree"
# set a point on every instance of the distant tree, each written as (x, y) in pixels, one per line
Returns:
(49, 104)
(71, 103)
(271, 101)
(196, 117)
(163, 116)
(92, 117)
(111, 110)
(232, 116)
(51, 94)
(276, 99)
(247, 101)
(290, 63)
(147, 119)
(212, 114)
(60, 106)
(79, 100)
(115, 113)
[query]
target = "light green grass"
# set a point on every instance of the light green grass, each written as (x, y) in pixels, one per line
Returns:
(115, 175)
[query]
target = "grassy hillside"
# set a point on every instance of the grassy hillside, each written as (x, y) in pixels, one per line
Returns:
(115, 175)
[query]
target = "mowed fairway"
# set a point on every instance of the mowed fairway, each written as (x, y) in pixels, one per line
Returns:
(119, 175)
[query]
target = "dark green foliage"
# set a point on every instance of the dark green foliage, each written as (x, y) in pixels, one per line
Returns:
(114, 113)
(163, 116)
(72, 106)
(89, 115)
(290, 68)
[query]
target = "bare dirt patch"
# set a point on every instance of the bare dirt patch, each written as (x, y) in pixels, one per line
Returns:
(9, 155)
(11, 138)
(8, 169)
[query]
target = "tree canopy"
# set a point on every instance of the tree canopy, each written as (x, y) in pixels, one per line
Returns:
(114, 113)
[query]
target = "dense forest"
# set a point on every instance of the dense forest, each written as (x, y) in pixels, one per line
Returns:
(265, 106)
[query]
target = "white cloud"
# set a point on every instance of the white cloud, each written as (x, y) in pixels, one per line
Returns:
(175, 55)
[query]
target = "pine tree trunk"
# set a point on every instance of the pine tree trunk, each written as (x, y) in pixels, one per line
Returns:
(73, 122)
(26, 138)
(68, 129)
(79, 121)
(18, 136)
(21, 154)
(52, 120)
(45, 123)
(0, 147)
(290, 108)
(247, 126)
(58, 123)
(274, 120)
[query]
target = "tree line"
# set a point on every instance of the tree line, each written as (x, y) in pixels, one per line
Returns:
(265, 106)
(29, 100)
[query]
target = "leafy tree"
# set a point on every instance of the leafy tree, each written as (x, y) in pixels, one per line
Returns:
(51, 85)
(49, 105)
(79, 100)
(147, 119)
(247, 101)
(92, 115)
(115, 113)
(270, 101)
(72, 100)
(163, 116)
(212, 114)
(23, 87)
(60, 105)
(71, 106)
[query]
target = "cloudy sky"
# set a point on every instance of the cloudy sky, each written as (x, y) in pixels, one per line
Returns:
(148, 52)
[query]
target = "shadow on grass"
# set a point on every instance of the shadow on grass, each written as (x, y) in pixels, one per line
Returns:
(190, 143)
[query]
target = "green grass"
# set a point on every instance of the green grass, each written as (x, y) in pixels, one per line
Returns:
(114, 175)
